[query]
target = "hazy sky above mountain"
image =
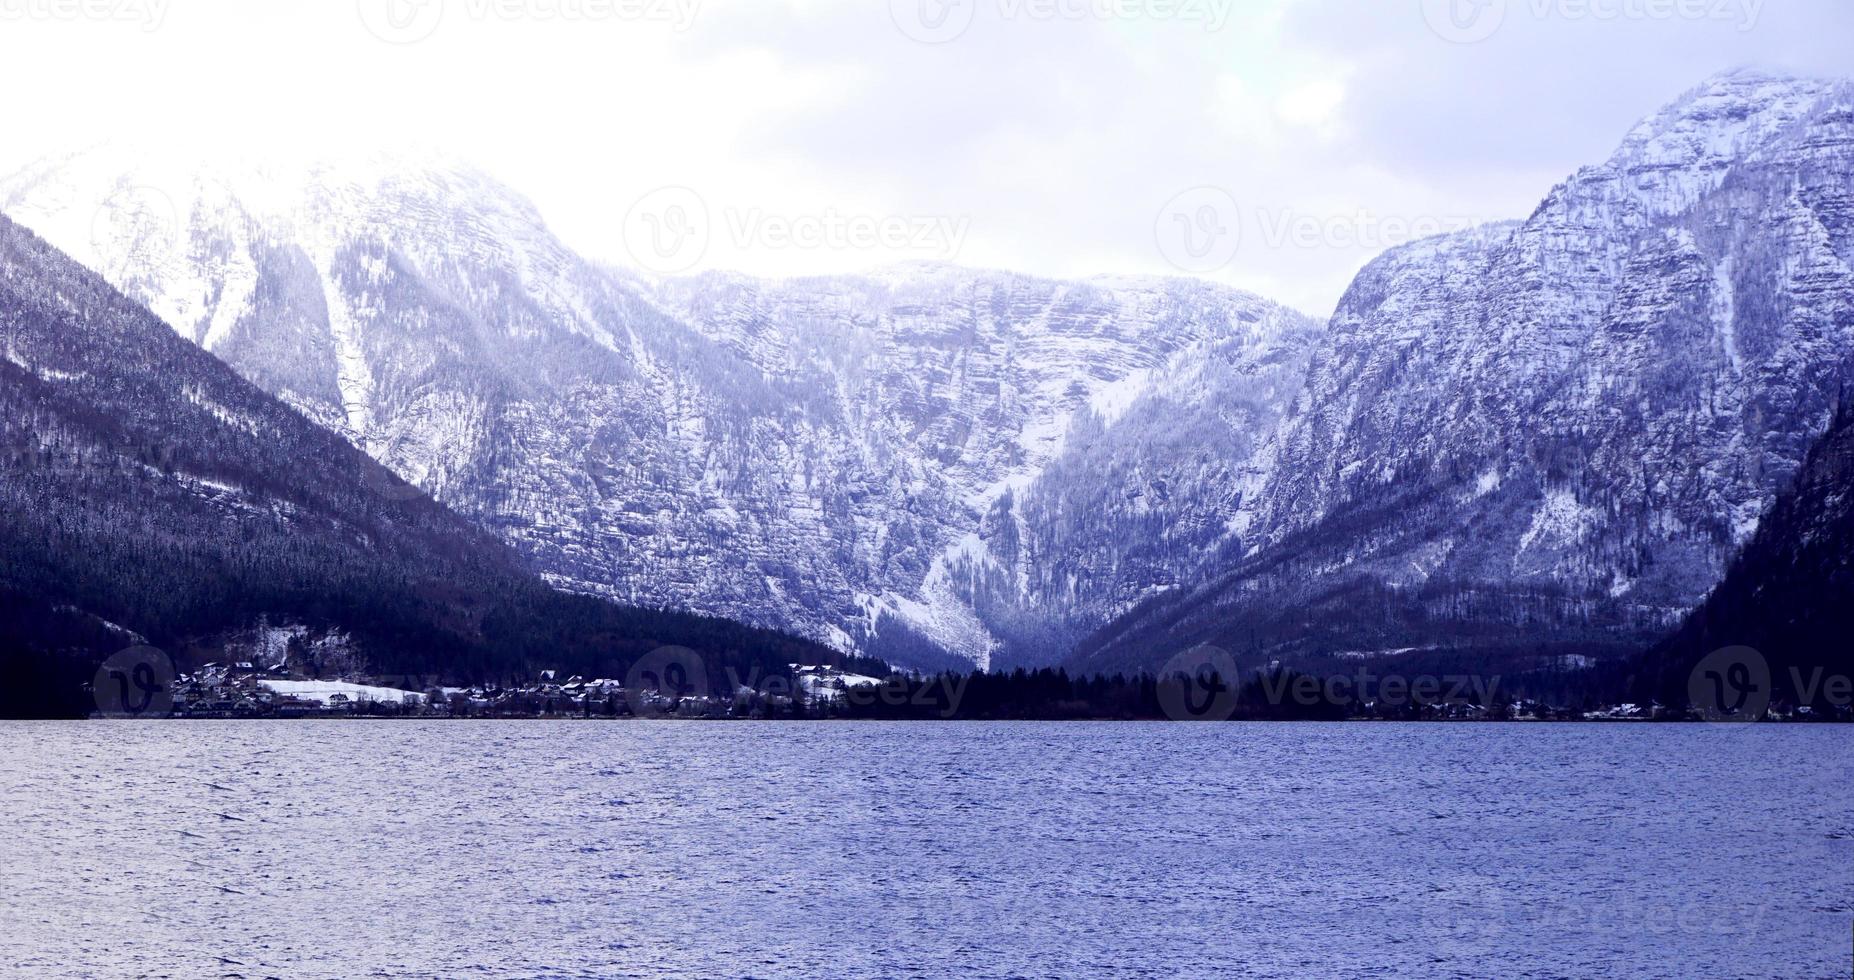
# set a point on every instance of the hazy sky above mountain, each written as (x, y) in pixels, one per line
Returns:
(1273, 144)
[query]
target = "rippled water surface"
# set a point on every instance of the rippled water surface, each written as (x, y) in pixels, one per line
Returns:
(694, 850)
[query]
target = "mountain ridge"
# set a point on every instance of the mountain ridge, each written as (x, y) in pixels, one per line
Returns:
(1782, 608)
(1491, 438)
(1499, 436)
(148, 494)
(628, 453)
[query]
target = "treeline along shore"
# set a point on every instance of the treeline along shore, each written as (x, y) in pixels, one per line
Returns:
(674, 688)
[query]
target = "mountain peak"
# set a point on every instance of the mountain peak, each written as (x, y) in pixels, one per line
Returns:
(268, 180)
(138, 211)
(1685, 149)
(1728, 116)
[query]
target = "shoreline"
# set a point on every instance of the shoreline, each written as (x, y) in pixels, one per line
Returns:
(577, 719)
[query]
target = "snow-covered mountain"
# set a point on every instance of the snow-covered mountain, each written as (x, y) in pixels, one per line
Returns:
(148, 494)
(853, 459)
(1550, 433)
(1076, 446)
(1558, 431)
(1789, 597)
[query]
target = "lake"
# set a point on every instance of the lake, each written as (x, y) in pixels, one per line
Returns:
(535, 849)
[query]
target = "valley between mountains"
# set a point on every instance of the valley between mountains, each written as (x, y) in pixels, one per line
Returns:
(1538, 444)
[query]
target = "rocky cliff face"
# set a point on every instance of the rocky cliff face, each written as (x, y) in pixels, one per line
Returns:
(150, 494)
(1082, 444)
(1552, 432)
(1789, 598)
(1562, 428)
(823, 456)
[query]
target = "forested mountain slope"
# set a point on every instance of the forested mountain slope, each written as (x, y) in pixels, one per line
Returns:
(147, 493)
(1789, 596)
(835, 457)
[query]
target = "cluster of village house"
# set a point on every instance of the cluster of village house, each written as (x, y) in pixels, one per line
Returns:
(250, 690)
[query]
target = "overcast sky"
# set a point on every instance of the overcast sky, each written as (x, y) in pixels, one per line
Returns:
(1273, 144)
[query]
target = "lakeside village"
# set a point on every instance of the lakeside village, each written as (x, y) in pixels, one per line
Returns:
(247, 690)
(293, 672)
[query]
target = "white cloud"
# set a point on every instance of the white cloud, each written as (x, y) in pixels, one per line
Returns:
(1313, 104)
(1059, 138)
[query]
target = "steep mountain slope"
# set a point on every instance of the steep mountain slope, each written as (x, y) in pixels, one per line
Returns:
(1790, 595)
(149, 493)
(424, 312)
(1556, 434)
(820, 456)
(1075, 445)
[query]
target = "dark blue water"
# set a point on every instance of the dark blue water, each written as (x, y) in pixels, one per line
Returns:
(695, 850)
